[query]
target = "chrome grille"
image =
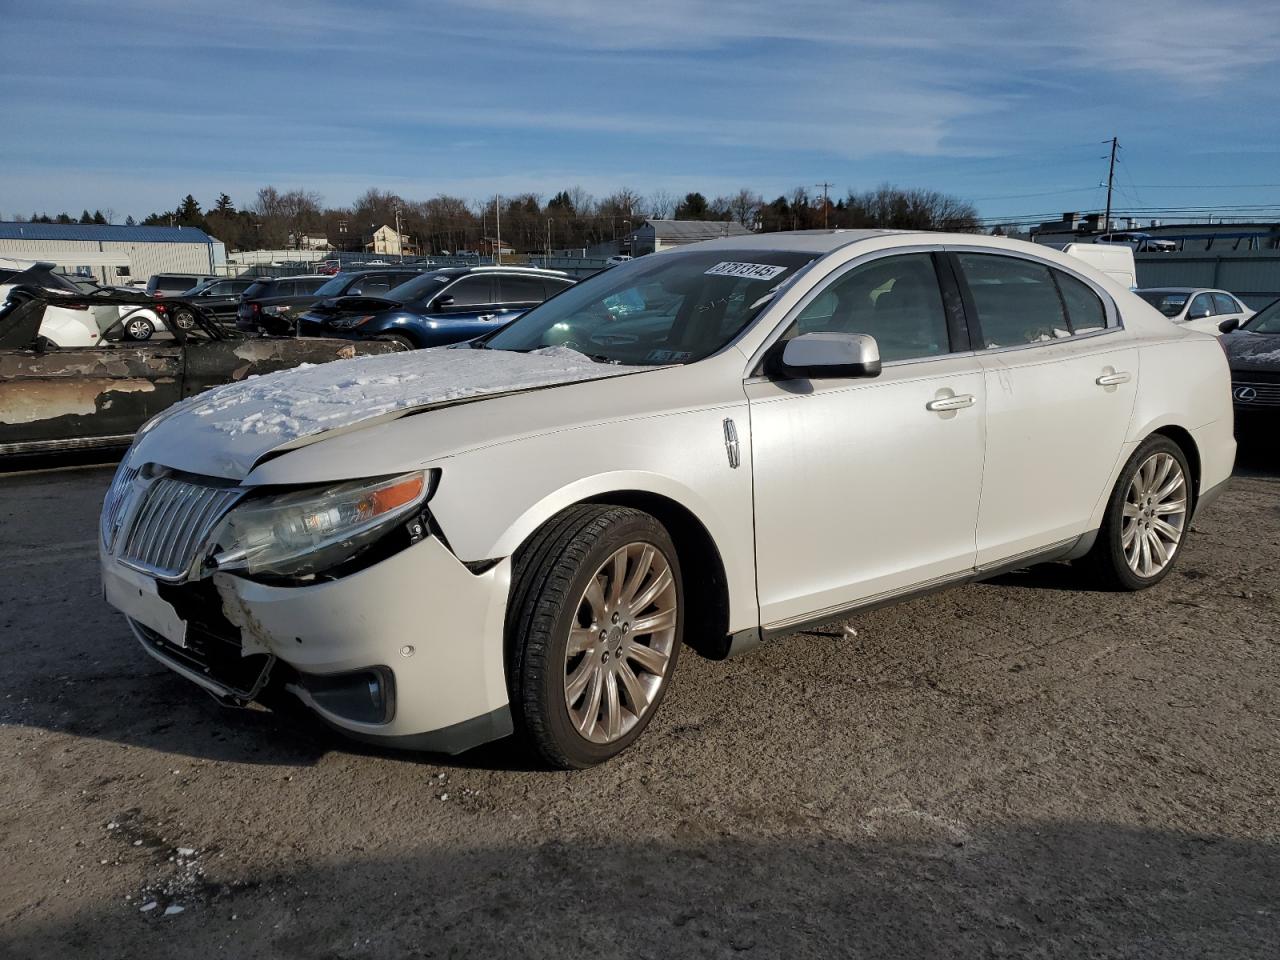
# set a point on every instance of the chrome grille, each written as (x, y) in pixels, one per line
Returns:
(116, 503)
(172, 523)
(1245, 394)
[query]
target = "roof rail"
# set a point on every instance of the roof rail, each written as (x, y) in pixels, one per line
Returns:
(519, 269)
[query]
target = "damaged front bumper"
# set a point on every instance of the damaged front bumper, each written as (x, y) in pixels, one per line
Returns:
(407, 653)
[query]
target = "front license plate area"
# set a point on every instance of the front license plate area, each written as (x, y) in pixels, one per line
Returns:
(136, 597)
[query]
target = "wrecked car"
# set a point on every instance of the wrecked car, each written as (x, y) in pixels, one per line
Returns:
(435, 549)
(57, 398)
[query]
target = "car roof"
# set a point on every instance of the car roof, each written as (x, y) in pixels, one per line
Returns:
(1179, 290)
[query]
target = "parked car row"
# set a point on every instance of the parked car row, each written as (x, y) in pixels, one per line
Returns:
(1197, 307)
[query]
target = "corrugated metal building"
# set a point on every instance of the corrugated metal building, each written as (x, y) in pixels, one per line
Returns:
(114, 254)
(657, 235)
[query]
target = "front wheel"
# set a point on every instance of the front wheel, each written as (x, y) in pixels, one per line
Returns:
(1147, 518)
(184, 320)
(404, 342)
(594, 629)
(139, 328)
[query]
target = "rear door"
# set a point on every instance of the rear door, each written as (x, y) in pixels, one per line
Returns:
(517, 293)
(1061, 378)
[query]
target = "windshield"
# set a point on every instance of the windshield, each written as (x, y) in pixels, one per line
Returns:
(660, 309)
(419, 288)
(1266, 320)
(1166, 301)
(331, 288)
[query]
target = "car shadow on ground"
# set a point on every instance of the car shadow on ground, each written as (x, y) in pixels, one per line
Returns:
(901, 883)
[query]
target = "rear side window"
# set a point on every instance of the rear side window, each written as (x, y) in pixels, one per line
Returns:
(894, 299)
(1016, 300)
(520, 289)
(1084, 307)
(303, 287)
(1225, 303)
(258, 289)
(553, 287)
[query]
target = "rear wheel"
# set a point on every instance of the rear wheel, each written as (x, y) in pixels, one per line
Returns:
(594, 629)
(184, 320)
(1147, 518)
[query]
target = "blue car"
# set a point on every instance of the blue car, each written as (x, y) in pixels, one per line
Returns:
(437, 308)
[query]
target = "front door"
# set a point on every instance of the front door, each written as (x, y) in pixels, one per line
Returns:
(868, 487)
(1060, 381)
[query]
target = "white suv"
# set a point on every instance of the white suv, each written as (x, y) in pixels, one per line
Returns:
(712, 447)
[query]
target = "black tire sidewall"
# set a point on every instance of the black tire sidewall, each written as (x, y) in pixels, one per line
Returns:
(579, 752)
(1113, 527)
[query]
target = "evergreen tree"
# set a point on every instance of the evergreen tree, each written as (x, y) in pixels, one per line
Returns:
(98, 217)
(224, 205)
(130, 222)
(86, 217)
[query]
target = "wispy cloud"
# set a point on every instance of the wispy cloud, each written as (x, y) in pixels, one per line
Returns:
(672, 94)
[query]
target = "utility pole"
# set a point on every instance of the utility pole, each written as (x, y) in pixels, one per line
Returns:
(1111, 179)
(399, 236)
(825, 205)
(548, 259)
(497, 214)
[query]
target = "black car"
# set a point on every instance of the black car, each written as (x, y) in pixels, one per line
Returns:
(437, 308)
(217, 297)
(371, 283)
(1253, 352)
(269, 304)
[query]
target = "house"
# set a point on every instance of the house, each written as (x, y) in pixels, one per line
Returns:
(655, 235)
(386, 240)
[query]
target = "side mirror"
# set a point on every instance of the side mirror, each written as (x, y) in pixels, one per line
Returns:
(827, 356)
(442, 302)
(1226, 326)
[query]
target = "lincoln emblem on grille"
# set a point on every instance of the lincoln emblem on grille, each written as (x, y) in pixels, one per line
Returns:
(1245, 394)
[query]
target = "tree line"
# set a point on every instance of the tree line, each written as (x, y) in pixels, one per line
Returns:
(570, 219)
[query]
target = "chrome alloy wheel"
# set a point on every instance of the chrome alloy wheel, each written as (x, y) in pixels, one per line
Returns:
(621, 642)
(139, 329)
(1155, 515)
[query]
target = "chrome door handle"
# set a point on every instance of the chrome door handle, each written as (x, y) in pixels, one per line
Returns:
(951, 403)
(486, 316)
(1111, 379)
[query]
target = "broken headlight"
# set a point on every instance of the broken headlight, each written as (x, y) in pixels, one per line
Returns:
(305, 532)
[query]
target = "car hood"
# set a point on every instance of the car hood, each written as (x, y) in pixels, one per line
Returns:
(225, 431)
(1252, 351)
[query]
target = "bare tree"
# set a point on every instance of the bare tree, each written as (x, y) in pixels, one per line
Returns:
(661, 204)
(745, 206)
(910, 209)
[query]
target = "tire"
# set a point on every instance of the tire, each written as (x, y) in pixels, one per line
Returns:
(184, 320)
(1112, 560)
(400, 339)
(138, 328)
(551, 703)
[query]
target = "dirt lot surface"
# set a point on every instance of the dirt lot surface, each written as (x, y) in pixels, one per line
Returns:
(1023, 768)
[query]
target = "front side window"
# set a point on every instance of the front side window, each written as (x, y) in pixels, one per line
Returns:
(374, 285)
(676, 307)
(894, 299)
(1201, 307)
(1016, 300)
(471, 292)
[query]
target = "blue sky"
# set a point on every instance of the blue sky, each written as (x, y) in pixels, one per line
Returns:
(131, 104)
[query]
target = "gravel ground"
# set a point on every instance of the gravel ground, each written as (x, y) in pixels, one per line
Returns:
(1022, 768)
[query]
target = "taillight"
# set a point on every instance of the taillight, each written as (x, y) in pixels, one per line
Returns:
(255, 308)
(160, 308)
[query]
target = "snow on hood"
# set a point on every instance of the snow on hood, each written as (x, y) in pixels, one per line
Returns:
(1248, 349)
(224, 431)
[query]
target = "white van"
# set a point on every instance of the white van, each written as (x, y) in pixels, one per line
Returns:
(1115, 260)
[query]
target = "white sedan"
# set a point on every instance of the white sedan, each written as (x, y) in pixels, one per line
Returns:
(1199, 308)
(715, 447)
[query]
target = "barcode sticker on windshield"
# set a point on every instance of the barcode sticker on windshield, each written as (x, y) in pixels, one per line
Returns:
(751, 271)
